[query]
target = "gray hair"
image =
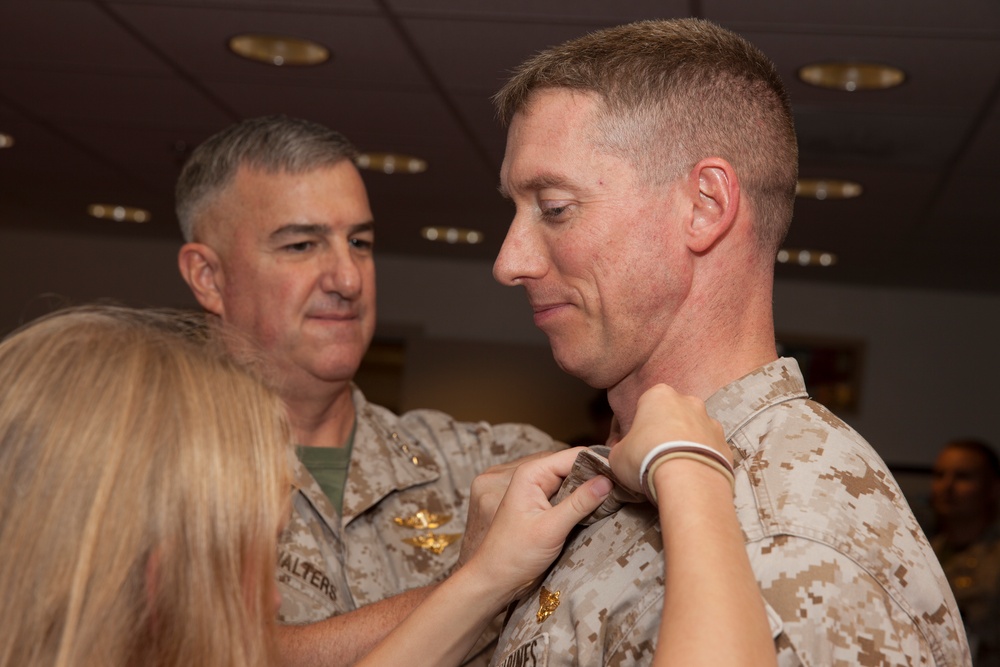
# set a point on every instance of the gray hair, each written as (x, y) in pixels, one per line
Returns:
(270, 144)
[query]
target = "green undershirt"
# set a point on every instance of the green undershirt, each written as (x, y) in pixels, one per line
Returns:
(328, 465)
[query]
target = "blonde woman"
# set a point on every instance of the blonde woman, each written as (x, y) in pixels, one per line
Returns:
(142, 484)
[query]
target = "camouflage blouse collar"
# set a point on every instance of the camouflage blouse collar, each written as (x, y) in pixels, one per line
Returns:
(384, 459)
(736, 404)
(590, 463)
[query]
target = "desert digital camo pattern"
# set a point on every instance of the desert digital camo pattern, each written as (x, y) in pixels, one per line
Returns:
(407, 473)
(974, 575)
(845, 571)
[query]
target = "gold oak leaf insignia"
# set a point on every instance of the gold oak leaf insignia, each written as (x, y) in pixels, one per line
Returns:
(432, 542)
(423, 520)
(547, 603)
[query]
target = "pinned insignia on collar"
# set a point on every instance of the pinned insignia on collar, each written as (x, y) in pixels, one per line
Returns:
(548, 602)
(423, 520)
(432, 542)
(414, 458)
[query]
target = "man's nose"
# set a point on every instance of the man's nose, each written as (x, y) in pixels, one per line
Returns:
(342, 274)
(521, 257)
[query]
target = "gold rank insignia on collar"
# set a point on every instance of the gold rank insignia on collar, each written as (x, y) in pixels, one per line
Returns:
(435, 543)
(548, 602)
(415, 458)
(423, 520)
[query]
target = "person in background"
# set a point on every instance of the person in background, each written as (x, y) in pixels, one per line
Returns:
(279, 246)
(652, 168)
(964, 494)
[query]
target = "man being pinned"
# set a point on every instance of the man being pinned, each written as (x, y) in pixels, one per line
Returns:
(652, 168)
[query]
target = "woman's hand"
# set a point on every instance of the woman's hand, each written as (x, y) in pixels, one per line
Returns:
(663, 415)
(528, 532)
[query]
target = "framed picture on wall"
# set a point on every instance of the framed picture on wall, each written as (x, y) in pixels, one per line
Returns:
(831, 367)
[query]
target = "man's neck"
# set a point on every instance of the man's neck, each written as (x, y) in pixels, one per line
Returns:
(323, 420)
(721, 330)
(698, 365)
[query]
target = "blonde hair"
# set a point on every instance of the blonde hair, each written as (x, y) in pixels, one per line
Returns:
(675, 92)
(143, 476)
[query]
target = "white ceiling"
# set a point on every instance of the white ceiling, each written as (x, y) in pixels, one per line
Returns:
(106, 98)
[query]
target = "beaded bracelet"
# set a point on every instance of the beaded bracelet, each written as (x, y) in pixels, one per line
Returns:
(677, 449)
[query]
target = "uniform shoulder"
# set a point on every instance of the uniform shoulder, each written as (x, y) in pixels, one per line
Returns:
(496, 443)
(814, 476)
(798, 438)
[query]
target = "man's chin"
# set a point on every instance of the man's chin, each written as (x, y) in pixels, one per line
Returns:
(331, 367)
(343, 370)
(575, 366)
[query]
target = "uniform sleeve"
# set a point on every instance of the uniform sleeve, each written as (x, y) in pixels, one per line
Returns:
(833, 612)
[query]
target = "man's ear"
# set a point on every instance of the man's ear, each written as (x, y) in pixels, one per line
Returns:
(717, 199)
(202, 271)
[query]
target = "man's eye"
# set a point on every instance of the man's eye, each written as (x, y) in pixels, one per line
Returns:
(362, 244)
(553, 212)
(301, 246)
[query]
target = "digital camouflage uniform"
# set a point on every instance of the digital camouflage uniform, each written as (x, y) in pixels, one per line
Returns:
(405, 505)
(846, 573)
(974, 575)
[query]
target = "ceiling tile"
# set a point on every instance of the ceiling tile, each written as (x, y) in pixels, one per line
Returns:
(272, 5)
(971, 17)
(366, 52)
(112, 98)
(943, 74)
(70, 35)
(556, 11)
(492, 49)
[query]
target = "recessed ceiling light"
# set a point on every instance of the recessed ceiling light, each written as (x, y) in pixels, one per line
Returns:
(827, 188)
(278, 50)
(119, 213)
(391, 163)
(6, 141)
(806, 257)
(452, 235)
(852, 76)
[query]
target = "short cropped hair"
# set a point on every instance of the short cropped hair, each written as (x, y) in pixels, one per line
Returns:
(271, 144)
(143, 479)
(983, 449)
(675, 92)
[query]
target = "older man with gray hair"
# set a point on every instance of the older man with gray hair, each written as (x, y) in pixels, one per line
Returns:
(279, 241)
